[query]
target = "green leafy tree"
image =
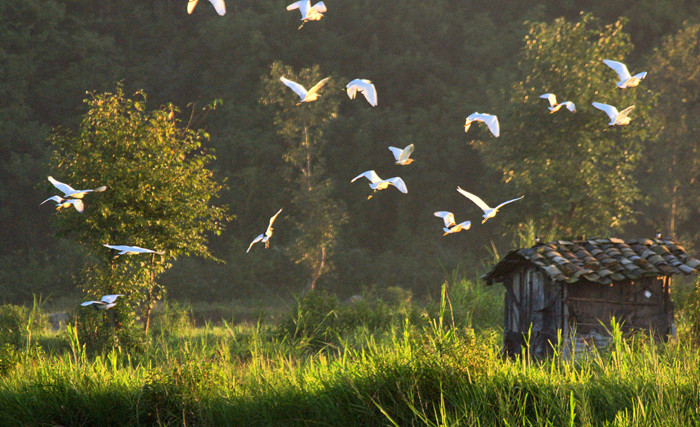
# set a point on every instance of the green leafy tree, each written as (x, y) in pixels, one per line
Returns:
(159, 193)
(575, 172)
(672, 166)
(318, 216)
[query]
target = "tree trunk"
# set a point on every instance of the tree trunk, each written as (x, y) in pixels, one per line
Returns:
(151, 295)
(317, 272)
(672, 213)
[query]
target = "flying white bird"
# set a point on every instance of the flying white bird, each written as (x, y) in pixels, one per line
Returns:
(490, 120)
(401, 156)
(65, 203)
(218, 5)
(69, 191)
(626, 80)
(616, 118)
(107, 301)
(306, 96)
(376, 183)
(554, 107)
(488, 211)
(450, 225)
(365, 87)
(308, 12)
(265, 237)
(132, 250)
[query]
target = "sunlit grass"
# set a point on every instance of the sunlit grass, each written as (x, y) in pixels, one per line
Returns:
(424, 370)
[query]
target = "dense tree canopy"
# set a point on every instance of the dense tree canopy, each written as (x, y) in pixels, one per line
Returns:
(433, 64)
(576, 173)
(158, 196)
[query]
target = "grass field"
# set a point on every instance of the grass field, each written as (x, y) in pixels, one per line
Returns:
(369, 363)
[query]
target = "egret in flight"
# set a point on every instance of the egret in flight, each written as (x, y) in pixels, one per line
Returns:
(616, 118)
(132, 250)
(308, 12)
(626, 80)
(107, 301)
(490, 120)
(365, 87)
(489, 212)
(65, 203)
(265, 237)
(450, 225)
(554, 107)
(401, 155)
(306, 96)
(218, 5)
(376, 183)
(69, 191)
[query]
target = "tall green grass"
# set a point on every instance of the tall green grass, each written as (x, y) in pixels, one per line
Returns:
(417, 367)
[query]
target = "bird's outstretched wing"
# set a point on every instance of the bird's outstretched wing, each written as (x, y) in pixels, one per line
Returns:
(406, 153)
(395, 151)
(65, 188)
(480, 203)
(624, 113)
(552, 98)
(447, 217)
(371, 175)
(320, 7)
(609, 109)
(302, 5)
(256, 240)
(87, 303)
(57, 199)
(77, 204)
(318, 85)
(509, 201)
(398, 183)
(295, 5)
(296, 87)
(490, 120)
(109, 299)
(190, 6)
(620, 69)
(366, 87)
(272, 219)
(220, 6)
(570, 106)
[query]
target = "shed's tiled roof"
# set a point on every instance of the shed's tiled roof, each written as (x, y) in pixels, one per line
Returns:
(600, 260)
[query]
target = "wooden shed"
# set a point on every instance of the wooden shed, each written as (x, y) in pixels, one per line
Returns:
(570, 287)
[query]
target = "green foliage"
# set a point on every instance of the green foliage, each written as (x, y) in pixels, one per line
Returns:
(17, 323)
(9, 357)
(171, 316)
(320, 320)
(576, 174)
(422, 372)
(159, 192)
(433, 63)
(100, 330)
(318, 215)
(474, 304)
(173, 397)
(672, 164)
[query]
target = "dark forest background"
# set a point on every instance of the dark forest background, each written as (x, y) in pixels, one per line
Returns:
(433, 63)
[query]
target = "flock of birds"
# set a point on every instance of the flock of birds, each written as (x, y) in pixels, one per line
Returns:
(73, 197)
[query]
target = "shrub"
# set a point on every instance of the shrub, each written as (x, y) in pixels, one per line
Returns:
(18, 322)
(100, 330)
(9, 358)
(170, 317)
(312, 319)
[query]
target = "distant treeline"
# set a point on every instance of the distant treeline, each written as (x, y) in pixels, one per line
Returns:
(433, 63)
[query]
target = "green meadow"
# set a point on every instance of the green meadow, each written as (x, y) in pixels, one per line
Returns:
(383, 360)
